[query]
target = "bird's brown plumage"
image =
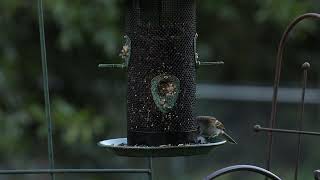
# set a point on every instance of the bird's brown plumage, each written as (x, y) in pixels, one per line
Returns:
(210, 127)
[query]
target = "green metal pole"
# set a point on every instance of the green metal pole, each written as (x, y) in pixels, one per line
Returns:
(45, 85)
(74, 171)
(151, 168)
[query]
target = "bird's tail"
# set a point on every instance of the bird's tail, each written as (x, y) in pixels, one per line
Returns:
(229, 138)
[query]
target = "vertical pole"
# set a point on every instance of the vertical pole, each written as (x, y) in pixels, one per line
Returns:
(305, 68)
(316, 175)
(45, 85)
(150, 166)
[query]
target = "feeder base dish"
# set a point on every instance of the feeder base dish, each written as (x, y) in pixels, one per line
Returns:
(119, 147)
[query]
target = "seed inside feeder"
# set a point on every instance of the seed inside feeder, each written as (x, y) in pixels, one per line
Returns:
(167, 88)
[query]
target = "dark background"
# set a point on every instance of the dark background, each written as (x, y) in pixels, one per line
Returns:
(88, 104)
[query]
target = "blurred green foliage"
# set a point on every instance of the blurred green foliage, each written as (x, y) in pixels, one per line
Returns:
(89, 104)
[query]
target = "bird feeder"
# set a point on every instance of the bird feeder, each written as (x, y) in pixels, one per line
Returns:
(161, 60)
(161, 72)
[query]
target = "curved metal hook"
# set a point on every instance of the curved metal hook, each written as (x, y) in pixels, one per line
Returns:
(236, 168)
(277, 77)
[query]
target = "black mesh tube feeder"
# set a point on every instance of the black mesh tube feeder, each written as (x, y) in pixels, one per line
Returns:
(161, 60)
(161, 72)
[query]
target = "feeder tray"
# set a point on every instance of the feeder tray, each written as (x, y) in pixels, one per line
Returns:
(119, 147)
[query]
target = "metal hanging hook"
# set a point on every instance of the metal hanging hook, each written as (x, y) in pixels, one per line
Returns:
(280, 52)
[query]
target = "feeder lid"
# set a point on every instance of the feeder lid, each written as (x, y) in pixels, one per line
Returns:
(119, 147)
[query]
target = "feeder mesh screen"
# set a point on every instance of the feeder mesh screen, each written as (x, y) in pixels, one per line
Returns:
(162, 36)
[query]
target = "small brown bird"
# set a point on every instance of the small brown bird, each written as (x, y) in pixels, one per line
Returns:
(125, 51)
(210, 127)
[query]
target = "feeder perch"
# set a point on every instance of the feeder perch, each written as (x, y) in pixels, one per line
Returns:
(160, 58)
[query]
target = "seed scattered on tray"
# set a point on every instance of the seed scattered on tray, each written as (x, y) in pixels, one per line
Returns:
(161, 146)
